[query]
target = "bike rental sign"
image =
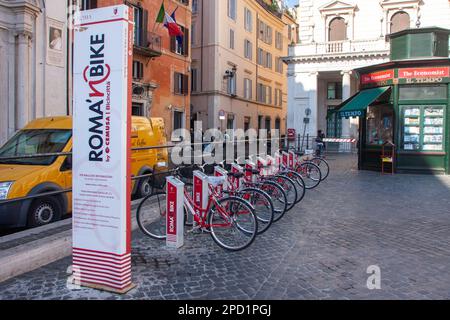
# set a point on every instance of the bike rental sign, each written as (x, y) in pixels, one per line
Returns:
(101, 148)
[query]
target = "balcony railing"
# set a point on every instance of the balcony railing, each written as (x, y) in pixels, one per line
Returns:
(151, 47)
(346, 47)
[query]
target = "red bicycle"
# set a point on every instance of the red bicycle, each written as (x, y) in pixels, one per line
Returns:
(230, 220)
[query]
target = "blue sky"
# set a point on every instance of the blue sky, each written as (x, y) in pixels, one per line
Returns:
(291, 3)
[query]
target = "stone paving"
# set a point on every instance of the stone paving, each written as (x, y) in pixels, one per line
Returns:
(320, 250)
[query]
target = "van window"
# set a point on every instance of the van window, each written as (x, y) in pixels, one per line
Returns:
(29, 142)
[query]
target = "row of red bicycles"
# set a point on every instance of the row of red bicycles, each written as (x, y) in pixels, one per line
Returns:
(244, 198)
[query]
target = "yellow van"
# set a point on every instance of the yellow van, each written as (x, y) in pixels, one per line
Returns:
(31, 176)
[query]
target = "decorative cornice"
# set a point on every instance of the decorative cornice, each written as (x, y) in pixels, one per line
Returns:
(335, 57)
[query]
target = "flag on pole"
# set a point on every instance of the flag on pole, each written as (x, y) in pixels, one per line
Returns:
(172, 26)
(179, 37)
(161, 14)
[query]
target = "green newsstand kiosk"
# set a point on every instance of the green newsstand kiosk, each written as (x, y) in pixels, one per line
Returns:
(406, 101)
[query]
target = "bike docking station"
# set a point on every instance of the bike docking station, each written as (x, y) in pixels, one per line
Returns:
(271, 164)
(237, 183)
(221, 172)
(200, 194)
(249, 176)
(175, 213)
(285, 159)
(292, 160)
(262, 166)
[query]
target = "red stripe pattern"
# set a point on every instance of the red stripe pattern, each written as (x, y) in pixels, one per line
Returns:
(102, 268)
(339, 140)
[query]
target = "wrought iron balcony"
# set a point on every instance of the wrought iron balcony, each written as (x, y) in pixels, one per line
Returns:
(149, 48)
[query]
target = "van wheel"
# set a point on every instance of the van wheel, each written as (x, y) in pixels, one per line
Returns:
(44, 211)
(145, 188)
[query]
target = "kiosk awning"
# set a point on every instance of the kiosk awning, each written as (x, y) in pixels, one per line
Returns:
(355, 106)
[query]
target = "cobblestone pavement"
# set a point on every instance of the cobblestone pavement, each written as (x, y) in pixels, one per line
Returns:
(320, 250)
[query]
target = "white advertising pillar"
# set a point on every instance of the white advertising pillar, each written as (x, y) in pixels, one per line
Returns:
(175, 213)
(103, 48)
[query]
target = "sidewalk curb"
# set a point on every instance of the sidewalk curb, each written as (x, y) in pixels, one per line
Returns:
(38, 253)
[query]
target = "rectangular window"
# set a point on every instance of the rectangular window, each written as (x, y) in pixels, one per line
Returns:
(248, 50)
(139, 37)
(232, 9)
(437, 92)
(380, 128)
(180, 83)
(423, 128)
(178, 120)
(193, 34)
(261, 93)
(231, 39)
(180, 46)
(261, 57)
(278, 97)
(88, 4)
(137, 109)
(279, 65)
(231, 85)
(248, 20)
(138, 70)
(268, 39)
(334, 91)
(194, 80)
(194, 6)
(278, 40)
(248, 88)
(268, 60)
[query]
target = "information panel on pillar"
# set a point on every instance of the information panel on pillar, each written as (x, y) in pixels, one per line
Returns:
(101, 147)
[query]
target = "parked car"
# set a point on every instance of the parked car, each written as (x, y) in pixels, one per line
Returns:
(31, 176)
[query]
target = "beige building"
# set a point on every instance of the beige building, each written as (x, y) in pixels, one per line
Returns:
(238, 77)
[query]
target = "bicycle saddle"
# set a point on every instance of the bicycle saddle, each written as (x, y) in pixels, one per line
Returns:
(236, 175)
(253, 171)
(216, 181)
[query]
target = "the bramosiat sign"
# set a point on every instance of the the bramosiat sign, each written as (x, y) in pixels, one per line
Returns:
(101, 148)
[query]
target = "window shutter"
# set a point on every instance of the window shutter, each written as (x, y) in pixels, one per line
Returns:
(185, 84)
(173, 44)
(145, 41)
(176, 87)
(186, 42)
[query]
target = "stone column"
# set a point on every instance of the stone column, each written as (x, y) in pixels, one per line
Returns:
(346, 93)
(23, 88)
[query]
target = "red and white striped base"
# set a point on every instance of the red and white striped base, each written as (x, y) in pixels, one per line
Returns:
(339, 140)
(102, 270)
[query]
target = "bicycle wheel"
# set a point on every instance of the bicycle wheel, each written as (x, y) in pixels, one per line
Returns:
(151, 216)
(299, 184)
(278, 196)
(323, 166)
(233, 224)
(310, 173)
(289, 189)
(263, 206)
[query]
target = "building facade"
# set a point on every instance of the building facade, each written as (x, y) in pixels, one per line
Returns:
(238, 76)
(33, 62)
(337, 37)
(161, 67)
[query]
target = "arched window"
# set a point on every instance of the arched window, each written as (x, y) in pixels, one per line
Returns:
(400, 21)
(338, 30)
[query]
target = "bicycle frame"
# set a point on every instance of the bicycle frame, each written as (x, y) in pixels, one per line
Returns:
(200, 214)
